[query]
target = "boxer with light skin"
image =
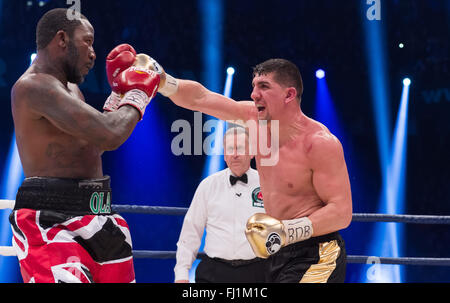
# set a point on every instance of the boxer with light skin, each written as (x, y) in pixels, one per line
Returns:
(307, 193)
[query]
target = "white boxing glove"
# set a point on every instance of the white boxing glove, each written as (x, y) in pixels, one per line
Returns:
(168, 84)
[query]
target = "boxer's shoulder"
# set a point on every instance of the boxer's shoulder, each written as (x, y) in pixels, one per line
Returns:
(38, 90)
(319, 141)
(31, 83)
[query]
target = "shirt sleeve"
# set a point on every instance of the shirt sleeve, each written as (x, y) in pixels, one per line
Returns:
(191, 233)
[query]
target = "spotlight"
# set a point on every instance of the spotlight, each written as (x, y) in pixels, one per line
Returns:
(32, 57)
(230, 71)
(320, 74)
(406, 81)
(401, 45)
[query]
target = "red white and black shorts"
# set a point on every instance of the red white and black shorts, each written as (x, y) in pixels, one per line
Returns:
(64, 232)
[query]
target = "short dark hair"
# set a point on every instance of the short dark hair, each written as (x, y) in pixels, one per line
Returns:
(285, 73)
(53, 21)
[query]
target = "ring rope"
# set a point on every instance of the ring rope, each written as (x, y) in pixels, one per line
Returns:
(163, 254)
(150, 210)
(7, 251)
(5, 204)
(155, 254)
(357, 217)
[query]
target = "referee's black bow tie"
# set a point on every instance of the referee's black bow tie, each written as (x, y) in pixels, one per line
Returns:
(242, 178)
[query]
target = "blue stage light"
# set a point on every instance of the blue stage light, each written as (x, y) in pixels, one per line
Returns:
(385, 234)
(389, 236)
(12, 178)
(320, 73)
(212, 21)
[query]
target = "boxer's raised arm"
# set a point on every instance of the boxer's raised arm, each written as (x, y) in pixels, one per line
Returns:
(44, 96)
(194, 96)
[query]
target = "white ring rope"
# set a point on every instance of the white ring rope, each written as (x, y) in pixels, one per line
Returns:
(7, 251)
(5, 204)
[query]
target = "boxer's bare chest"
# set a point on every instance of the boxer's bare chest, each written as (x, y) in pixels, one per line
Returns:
(46, 150)
(287, 187)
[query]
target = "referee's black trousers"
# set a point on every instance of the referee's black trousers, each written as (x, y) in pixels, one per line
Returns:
(215, 270)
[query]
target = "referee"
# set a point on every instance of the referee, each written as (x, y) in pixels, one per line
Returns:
(222, 203)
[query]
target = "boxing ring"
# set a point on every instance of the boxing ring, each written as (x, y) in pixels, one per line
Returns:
(357, 217)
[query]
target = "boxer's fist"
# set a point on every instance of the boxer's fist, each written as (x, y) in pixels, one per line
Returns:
(267, 235)
(139, 86)
(168, 85)
(119, 59)
(139, 78)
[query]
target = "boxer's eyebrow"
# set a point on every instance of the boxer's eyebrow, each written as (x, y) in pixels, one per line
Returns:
(261, 83)
(89, 37)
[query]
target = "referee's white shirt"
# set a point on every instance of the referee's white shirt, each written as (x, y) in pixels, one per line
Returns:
(224, 210)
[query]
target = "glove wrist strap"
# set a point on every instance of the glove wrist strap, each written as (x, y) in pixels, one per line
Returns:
(112, 102)
(136, 98)
(297, 230)
(170, 87)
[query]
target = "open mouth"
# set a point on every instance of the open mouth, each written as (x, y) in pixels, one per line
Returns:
(260, 108)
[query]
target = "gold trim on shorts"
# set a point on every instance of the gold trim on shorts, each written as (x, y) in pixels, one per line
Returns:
(320, 272)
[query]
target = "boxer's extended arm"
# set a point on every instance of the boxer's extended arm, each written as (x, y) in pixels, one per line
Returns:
(194, 96)
(45, 97)
(331, 182)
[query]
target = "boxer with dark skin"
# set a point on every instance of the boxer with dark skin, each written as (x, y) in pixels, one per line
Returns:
(63, 226)
(58, 133)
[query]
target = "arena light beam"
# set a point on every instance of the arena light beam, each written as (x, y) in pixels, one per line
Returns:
(212, 20)
(377, 66)
(12, 178)
(389, 236)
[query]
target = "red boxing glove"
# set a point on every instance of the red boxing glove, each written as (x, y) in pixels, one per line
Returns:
(139, 86)
(118, 60)
(137, 78)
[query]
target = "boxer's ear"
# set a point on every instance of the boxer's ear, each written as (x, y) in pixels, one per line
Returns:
(62, 38)
(291, 94)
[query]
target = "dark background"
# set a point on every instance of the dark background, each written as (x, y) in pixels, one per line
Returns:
(312, 33)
